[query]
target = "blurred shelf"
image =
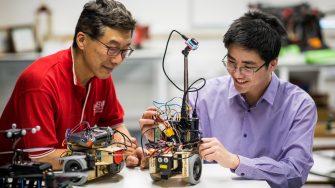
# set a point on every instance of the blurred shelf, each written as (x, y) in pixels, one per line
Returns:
(19, 57)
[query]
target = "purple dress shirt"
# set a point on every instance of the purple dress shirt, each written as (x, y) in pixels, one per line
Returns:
(273, 139)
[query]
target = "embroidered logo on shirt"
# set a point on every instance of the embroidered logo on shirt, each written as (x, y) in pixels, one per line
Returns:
(98, 107)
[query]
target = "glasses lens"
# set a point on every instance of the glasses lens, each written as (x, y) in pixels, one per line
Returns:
(230, 66)
(126, 52)
(113, 51)
(247, 72)
(117, 51)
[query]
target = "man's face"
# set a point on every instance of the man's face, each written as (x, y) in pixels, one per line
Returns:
(98, 62)
(249, 73)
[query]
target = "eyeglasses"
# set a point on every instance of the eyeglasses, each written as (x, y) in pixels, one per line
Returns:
(231, 67)
(113, 51)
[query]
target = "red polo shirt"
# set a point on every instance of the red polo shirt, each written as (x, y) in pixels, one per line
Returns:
(46, 94)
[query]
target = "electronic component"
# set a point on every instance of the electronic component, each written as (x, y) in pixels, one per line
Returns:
(164, 126)
(174, 151)
(23, 172)
(93, 151)
(92, 136)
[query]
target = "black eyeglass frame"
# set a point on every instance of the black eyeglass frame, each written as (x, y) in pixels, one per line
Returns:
(113, 51)
(254, 71)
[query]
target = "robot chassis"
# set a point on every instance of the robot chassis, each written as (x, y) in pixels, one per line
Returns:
(168, 159)
(93, 151)
(25, 173)
(174, 151)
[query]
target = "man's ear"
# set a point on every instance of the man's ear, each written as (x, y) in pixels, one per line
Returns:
(81, 39)
(273, 64)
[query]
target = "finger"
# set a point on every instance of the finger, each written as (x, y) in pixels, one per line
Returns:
(206, 149)
(132, 161)
(146, 123)
(209, 142)
(204, 146)
(149, 113)
(144, 162)
(210, 153)
(131, 146)
(151, 108)
(206, 140)
(130, 151)
(201, 154)
(128, 143)
(209, 157)
(139, 152)
(133, 143)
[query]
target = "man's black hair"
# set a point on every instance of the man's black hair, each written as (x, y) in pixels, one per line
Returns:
(99, 14)
(257, 31)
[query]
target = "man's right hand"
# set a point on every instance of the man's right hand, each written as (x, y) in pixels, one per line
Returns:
(147, 122)
(138, 159)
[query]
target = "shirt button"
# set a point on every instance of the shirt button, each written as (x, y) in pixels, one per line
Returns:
(245, 135)
(249, 110)
(242, 174)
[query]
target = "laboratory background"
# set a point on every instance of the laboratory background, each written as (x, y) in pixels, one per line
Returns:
(34, 28)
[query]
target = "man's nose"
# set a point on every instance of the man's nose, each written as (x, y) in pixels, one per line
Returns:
(237, 72)
(118, 59)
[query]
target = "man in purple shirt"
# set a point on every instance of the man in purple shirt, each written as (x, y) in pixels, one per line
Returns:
(253, 123)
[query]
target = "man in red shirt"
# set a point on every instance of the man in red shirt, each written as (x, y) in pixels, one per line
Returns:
(74, 86)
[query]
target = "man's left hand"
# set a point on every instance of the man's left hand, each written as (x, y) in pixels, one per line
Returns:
(136, 158)
(211, 149)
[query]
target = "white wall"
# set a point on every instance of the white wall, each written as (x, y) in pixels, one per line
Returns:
(161, 15)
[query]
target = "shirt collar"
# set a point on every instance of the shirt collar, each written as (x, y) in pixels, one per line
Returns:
(232, 91)
(271, 91)
(269, 95)
(75, 79)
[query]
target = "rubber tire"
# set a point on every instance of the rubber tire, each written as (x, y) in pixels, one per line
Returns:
(195, 168)
(155, 177)
(116, 168)
(76, 165)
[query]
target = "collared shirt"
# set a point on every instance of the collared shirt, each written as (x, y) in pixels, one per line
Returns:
(273, 139)
(47, 94)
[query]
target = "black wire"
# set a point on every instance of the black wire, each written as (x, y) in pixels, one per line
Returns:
(148, 140)
(189, 89)
(163, 61)
(166, 47)
(124, 138)
(183, 109)
(196, 101)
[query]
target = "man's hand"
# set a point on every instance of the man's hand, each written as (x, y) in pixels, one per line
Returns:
(131, 157)
(131, 143)
(211, 149)
(146, 122)
(137, 159)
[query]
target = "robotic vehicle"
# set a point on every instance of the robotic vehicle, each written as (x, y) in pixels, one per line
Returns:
(174, 151)
(93, 151)
(25, 173)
